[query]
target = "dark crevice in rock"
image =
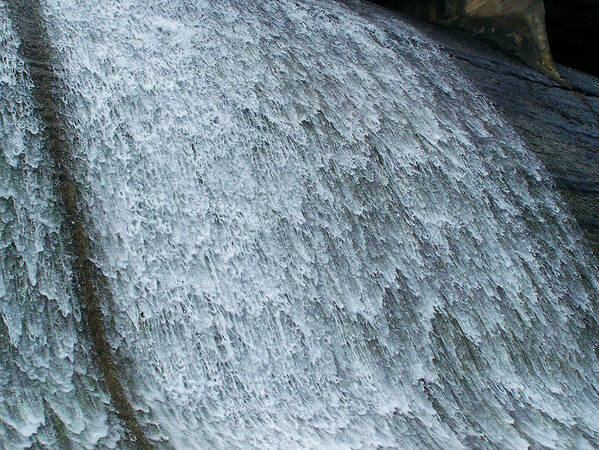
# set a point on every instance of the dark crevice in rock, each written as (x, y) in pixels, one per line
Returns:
(91, 285)
(573, 32)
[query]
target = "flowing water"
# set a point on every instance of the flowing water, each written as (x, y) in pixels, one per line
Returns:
(315, 233)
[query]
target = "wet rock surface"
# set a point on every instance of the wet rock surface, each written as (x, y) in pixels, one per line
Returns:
(515, 26)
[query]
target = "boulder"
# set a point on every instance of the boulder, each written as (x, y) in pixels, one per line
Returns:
(515, 26)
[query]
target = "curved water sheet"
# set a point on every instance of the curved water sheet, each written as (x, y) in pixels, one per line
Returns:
(51, 393)
(317, 233)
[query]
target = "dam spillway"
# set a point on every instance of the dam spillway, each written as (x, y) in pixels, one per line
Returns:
(313, 231)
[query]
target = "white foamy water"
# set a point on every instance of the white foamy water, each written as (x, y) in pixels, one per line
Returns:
(316, 234)
(47, 374)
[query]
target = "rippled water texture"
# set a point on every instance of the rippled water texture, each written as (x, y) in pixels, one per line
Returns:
(316, 233)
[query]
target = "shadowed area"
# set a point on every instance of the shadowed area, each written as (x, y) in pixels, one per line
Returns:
(573, 31)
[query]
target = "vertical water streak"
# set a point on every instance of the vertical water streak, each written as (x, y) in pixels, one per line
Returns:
(36, 50)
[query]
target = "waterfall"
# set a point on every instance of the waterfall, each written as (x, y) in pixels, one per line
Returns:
(311, 231)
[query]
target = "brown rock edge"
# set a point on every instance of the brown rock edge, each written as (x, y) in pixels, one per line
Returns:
(515, 26)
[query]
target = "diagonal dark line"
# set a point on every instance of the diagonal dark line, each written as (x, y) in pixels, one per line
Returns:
(37, 52)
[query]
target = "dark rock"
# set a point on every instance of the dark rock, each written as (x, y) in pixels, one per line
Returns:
(515, 26)
(573, 32)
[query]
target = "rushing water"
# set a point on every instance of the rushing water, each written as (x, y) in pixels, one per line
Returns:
(315, 231)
